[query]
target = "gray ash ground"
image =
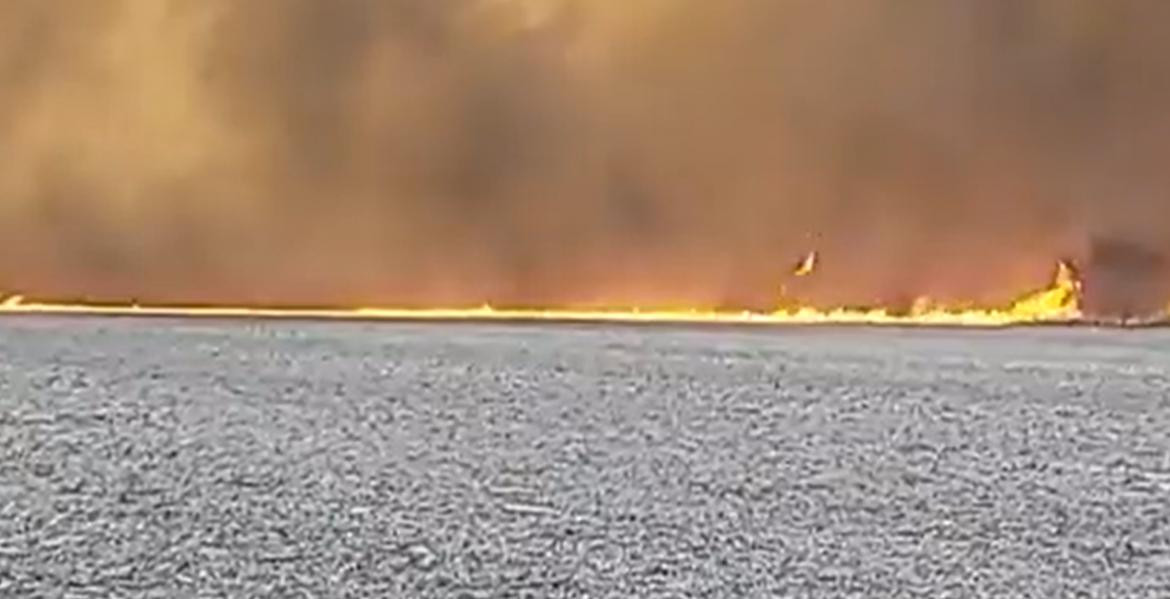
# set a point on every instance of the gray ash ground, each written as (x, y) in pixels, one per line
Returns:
(188, 459)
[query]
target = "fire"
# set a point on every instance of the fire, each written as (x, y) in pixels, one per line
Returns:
(1061, 301)
(1058, 303)
(807, 265)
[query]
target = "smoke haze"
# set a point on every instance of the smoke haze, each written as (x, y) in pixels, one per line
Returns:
(572, 153)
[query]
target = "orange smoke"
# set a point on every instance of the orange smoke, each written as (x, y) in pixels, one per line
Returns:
(579, 153)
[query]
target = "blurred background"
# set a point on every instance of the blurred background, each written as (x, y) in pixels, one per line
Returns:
(577, 153)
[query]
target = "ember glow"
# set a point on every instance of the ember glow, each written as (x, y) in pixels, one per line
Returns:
(806, 266)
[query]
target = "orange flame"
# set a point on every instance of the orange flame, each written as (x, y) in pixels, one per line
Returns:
(1058, 303)
(807, 265)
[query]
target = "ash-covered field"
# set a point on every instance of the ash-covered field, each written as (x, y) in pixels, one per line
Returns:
(177, 458)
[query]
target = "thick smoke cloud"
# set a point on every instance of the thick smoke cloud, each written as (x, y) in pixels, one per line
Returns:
(559, 152)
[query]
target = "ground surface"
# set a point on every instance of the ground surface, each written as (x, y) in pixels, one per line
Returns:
(174, 459)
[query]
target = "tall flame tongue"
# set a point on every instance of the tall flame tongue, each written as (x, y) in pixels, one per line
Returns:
(1058, 303)
(1061, 301)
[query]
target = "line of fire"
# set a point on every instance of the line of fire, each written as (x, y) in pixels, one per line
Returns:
(1116, 283)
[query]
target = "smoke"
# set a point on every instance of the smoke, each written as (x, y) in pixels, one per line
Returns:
(568, 153)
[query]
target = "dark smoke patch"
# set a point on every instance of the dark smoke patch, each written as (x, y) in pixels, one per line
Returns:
(1124, 280)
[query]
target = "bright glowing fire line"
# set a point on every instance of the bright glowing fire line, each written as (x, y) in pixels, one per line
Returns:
(1059, 303)
(986, 318)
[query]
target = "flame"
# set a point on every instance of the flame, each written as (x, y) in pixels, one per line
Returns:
(807, 266)
(1058, 303)
(1061, 301)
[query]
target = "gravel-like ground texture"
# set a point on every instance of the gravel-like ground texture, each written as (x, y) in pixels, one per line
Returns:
(190, 458)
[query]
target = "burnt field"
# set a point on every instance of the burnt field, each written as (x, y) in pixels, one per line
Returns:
(177, 458)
